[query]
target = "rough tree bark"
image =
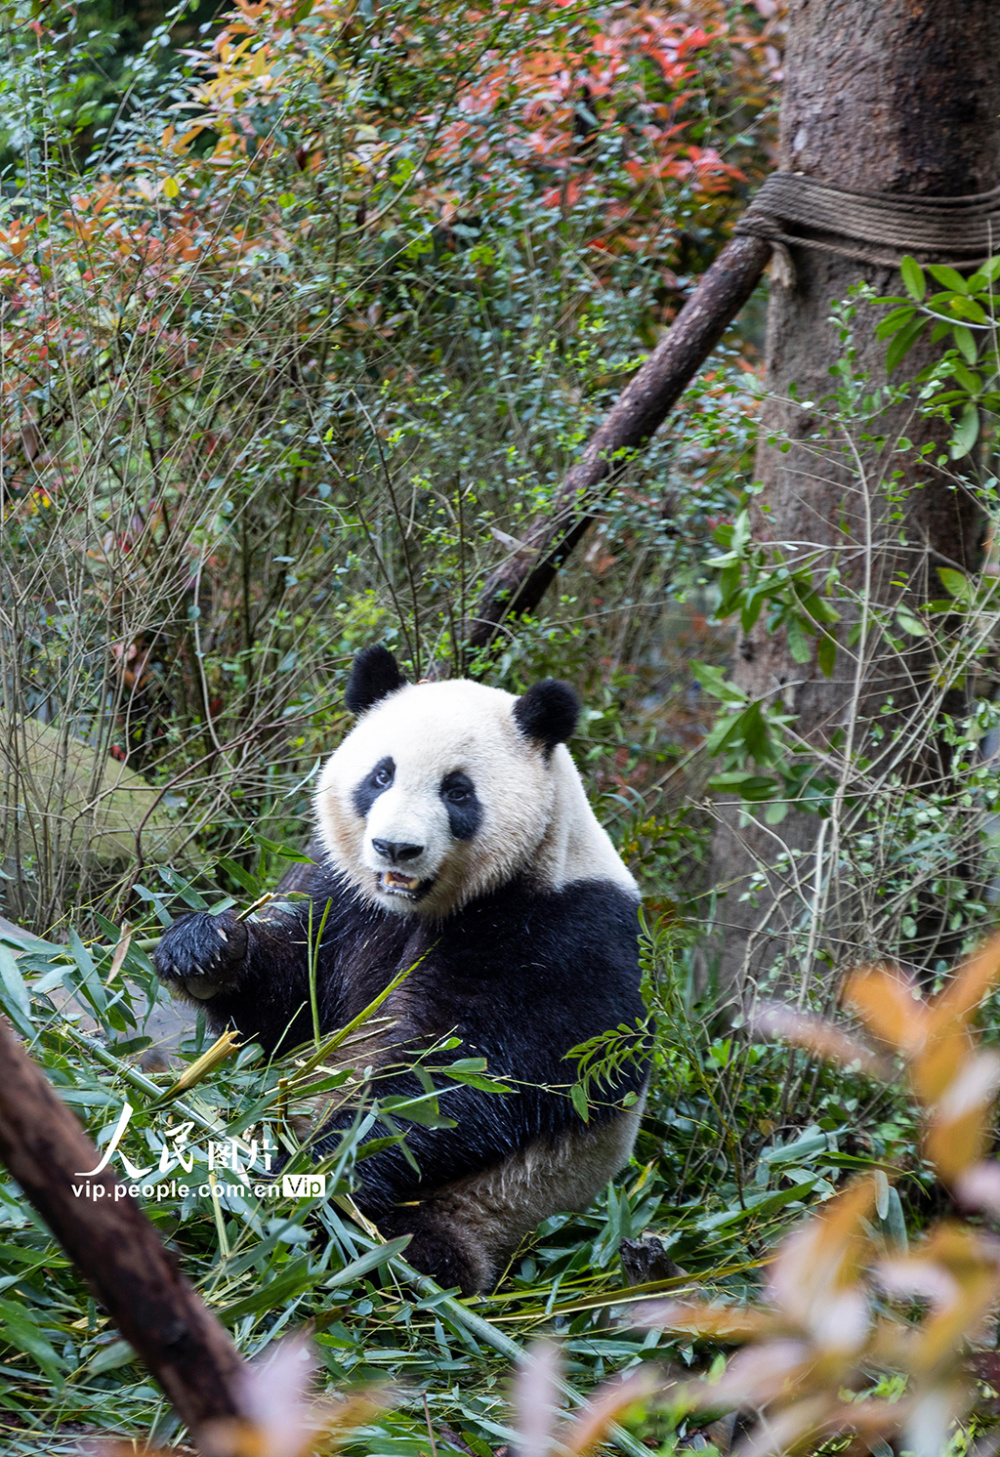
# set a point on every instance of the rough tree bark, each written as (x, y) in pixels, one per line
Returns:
(894, 96)
(112, 1242)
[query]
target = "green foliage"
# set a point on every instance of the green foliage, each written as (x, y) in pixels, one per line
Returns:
(70, 75)
(965, 381)
(751, 578)
(905, 850)
(300, 351)
(727, 1156)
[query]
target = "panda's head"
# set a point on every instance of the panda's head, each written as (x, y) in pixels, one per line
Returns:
(442, 791)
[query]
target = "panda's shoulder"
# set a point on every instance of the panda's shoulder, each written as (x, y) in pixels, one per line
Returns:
(584, 919)
(591, 910)
(594, 900)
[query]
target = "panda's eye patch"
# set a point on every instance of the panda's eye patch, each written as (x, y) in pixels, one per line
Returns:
(464, 810)
(375, 782)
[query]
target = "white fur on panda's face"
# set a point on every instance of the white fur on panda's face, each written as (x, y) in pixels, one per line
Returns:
(436, 797)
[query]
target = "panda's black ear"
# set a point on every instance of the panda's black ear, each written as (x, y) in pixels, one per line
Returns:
(374, 676)
(548, 712)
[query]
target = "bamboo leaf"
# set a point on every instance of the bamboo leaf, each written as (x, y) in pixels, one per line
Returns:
(275, 1294)
(365, 1264)
(14, 993)
(17, 1325)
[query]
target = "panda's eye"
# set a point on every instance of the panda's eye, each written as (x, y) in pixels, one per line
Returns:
(378, 778)
(465, 813)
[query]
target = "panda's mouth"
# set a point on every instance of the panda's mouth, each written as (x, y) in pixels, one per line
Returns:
(394, 882)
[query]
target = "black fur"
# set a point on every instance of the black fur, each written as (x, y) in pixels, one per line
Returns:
(373, 784)
(548, 712)
(374, 676)
(465, 813)
(519, 976)
(215, 945)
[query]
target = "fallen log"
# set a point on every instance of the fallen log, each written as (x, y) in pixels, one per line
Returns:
(115, 1247)
(516, 588)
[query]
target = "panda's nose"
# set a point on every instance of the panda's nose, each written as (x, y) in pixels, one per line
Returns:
(395, 851)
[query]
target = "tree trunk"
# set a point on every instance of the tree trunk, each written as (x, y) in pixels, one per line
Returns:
(895, 96)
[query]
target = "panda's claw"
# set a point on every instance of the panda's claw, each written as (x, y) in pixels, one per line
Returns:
(190, 954)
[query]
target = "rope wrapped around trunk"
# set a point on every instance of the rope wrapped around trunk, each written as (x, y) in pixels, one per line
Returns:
(790, 210)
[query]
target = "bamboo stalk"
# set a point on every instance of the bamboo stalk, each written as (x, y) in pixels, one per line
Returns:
(502, 1343)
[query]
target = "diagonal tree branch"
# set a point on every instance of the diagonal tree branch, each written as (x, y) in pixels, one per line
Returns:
(516, 588)
(111, 1241)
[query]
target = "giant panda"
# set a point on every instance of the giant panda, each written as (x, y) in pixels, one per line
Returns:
(454, 837)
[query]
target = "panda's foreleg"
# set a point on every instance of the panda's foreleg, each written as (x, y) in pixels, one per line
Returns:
(201, 955)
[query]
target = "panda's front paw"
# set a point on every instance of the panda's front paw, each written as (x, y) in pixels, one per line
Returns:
(202, 955)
